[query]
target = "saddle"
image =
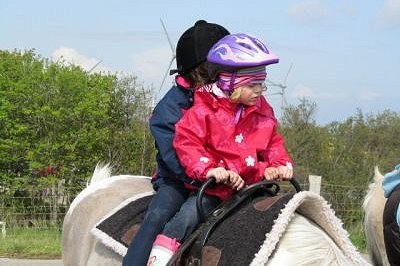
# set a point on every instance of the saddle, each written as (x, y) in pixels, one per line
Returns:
(237, 215)
(259, 202)
(244, 230)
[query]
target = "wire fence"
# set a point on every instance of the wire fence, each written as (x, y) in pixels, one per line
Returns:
(346, 201)
(45, 213)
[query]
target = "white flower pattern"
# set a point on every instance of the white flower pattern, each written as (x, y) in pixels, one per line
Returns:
(250, 161)
(204, 159)
(239, 138)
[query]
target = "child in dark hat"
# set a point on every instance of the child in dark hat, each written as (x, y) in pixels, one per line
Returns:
(191, 54)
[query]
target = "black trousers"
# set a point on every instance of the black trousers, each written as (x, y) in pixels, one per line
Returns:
(391, 228)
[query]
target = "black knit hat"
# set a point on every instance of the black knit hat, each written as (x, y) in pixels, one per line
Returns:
(194, 44)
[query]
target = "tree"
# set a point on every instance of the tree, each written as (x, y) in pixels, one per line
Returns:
(58, 121)
(307, 143)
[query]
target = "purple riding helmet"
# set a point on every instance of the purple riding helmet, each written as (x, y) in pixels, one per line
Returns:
(236, 51)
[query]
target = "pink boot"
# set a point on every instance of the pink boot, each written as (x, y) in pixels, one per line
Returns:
(163, 250)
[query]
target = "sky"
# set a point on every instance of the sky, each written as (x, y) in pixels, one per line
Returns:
(342, 55)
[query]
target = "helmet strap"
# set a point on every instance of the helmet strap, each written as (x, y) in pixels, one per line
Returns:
(238, 113)
(232, 81)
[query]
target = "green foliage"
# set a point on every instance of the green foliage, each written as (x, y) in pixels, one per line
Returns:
(357, 237)
(343, 153)
(57, 121)
(305, 141)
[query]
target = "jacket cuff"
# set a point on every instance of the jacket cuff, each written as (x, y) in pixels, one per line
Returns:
(261, 169)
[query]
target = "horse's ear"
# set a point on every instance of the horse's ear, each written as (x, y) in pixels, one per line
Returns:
(378, 177)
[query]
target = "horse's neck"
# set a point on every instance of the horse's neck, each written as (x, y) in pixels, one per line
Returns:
(304, 243)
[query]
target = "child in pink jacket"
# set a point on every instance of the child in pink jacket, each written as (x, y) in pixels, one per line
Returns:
(231, 125)
(230, 133)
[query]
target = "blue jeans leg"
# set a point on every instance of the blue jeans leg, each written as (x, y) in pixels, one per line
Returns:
(187, 219)
(166, 202)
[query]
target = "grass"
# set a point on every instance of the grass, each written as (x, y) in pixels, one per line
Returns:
(357, 237)
(31, 243)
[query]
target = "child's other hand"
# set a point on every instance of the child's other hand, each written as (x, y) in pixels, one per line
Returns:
(282, 172)
(235, 181)
(271, 173)
(285, 172)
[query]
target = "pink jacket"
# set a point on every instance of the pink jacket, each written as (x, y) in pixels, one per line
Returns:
(208, 136)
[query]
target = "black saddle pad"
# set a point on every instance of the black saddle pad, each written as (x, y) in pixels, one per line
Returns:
(118, 229)
(242, 230)
(238, 238)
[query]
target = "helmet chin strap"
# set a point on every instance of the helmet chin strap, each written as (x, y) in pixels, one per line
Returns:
(239, 111)
(240, 106)
(232, 81)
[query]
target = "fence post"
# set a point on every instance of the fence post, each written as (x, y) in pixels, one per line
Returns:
(3, 229)
(315, 183)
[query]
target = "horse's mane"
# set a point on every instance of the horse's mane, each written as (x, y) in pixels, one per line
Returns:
(101, 172)
(102, 180)
(373, 206)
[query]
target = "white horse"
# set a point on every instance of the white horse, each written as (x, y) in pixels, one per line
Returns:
(373, 207)
(297, 239)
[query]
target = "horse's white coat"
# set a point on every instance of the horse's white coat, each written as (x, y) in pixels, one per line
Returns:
(373, 206)
(304, 243)
(309, 240)
(100, 185)
(81, 248)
